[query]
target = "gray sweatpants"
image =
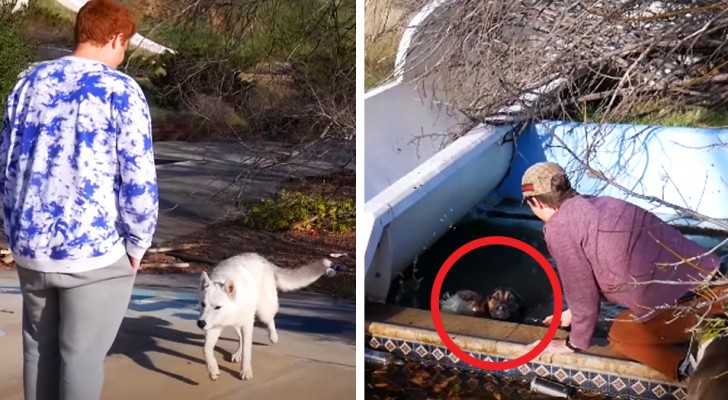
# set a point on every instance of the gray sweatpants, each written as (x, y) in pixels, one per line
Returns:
(70, 322)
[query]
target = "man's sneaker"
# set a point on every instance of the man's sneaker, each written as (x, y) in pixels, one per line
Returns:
(686, 367)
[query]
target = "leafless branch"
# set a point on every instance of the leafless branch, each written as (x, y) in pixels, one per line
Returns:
(612, 58)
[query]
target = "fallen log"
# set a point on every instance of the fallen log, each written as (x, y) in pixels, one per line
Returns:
(185, 257)
(165, 265)
(186, 246)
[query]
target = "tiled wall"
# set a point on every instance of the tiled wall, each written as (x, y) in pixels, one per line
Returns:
(612, 385)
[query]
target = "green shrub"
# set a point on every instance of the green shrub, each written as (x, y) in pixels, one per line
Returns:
(295, 209)
(15, 52)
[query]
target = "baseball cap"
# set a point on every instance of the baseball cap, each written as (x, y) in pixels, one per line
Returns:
(537, 178)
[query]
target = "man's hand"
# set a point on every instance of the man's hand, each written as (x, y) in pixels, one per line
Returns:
(565, 319)
(135, 263)
(555, 347)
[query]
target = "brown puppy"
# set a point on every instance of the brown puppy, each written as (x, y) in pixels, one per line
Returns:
(465, 302)
(710, 378)
(505, 305)
(502, 304)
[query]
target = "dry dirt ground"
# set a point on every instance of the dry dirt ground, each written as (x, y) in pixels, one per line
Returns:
(201, 250)
(285, 248)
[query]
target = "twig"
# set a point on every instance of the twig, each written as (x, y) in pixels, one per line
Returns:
(165, 265)
(186, 257)
(186, 246)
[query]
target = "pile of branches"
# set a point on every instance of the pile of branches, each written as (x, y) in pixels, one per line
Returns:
(306, 47)
(524, 59)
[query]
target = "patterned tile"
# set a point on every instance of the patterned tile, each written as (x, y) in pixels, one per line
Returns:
(406, 349)
(638, 387)
(659, 391)
(579, 378)
(680, 394)
(618, 384)
(421, 351)
(561, 375)
(599, 381)
(524, 369)
(438, 354)
(588, 383)
(542, 371)
(612, 385)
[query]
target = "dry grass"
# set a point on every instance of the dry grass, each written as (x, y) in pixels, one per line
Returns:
(384, 23)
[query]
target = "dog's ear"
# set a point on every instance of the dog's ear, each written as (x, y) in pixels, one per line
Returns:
(230, 288)
(490, 304)
(204, 280)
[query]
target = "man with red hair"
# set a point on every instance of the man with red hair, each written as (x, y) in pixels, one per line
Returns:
(80, 202)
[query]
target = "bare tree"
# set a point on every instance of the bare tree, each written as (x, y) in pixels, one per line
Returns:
(285, 68)
(611, 60)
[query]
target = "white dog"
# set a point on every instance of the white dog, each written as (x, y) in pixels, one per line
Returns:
(241, 288)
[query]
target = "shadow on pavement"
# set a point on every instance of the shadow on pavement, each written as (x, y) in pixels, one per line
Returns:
(181, 308)
(140, 337)
(325, 328)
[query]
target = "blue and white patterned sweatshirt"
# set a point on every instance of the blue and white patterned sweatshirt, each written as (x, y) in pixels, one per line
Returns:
(77, 169)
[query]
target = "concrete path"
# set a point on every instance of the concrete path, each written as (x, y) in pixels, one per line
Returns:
(158, 353)
(197, 181)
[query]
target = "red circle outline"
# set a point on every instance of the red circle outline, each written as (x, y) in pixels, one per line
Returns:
(437, 287)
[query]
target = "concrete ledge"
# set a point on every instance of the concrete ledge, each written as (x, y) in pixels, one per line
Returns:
(410, 333)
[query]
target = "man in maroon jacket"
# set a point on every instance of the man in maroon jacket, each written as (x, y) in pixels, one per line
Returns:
(609, 249)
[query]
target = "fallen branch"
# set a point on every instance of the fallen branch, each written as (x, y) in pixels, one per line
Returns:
(186, 246)
(299, 225)
(166, 265)
(185, 257)
(611, 58)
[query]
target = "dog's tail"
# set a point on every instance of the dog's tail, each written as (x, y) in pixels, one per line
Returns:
(288, 279)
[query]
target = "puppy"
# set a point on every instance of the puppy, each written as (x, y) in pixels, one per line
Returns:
(238, 290)
(465, 302)
(505, 305)
(502, 305)
(709, 380)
